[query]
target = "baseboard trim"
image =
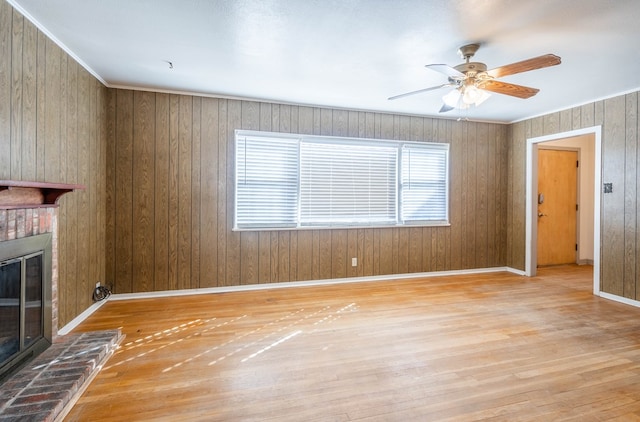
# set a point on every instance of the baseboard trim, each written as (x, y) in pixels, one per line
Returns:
(515, 271)
(250, 287)
(619, 299)
(585, 262)
(80, 318)
(287, 284)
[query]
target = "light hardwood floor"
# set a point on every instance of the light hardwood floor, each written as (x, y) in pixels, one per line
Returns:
(494, 346)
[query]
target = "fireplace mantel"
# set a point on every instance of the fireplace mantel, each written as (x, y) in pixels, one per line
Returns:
(22, 194)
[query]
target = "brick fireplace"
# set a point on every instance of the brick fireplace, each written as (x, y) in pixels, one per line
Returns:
(28, 270)
(45, 387)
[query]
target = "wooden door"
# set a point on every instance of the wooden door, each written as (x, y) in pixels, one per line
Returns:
(557, 206)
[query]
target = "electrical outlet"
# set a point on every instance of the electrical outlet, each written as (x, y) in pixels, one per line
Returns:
(354, 262)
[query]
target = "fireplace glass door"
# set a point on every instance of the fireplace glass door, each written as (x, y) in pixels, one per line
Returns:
(25, 301)
(10, 308)
(33, 324)
(21, 313)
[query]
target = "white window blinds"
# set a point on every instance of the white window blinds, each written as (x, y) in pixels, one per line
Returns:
(266, 182)
(424, 184)
(347, 183)
(297, 181)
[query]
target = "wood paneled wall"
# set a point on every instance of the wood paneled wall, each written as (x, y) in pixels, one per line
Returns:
(53, 128)
(157, 211)
(620, 210)
(170, 198)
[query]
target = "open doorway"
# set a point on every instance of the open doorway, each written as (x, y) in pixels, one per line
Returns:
(588, 144)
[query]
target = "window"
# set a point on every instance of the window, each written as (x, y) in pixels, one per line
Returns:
(266, 182)
(347, 183)
(424, 183)
(286, 181)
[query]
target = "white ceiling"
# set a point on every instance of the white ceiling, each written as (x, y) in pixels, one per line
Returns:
(350, 53)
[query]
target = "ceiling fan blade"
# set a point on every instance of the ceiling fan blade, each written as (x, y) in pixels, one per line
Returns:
(445, 108)
(446, 69)
(508, 89)
(406, 94)
(525, 66)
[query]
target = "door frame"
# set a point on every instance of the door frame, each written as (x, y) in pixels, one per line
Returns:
(531, 188)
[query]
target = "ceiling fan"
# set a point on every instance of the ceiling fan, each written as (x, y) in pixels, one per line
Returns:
(472, 80)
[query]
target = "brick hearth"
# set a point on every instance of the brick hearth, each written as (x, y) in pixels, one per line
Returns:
(48, 386)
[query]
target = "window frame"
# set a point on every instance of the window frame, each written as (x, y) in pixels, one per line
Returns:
(399, 144)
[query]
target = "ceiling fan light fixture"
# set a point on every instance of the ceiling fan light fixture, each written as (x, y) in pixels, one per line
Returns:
(470, 94)
(465, 96)
(482, 97)
(452, 98)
